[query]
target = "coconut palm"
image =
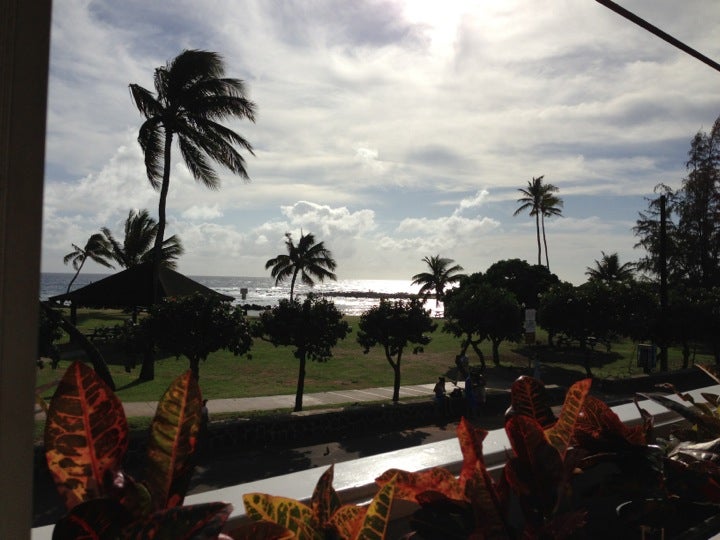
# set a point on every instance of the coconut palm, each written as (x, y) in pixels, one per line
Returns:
(441, 275)
(310, 260)
(137, 246)
(550, 205)
(191, 95)
(608, 269)
(96, 249)
(539, 200)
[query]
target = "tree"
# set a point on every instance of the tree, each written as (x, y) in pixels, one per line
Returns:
(527, 282)
(195, 326)
(609, 270)
(394, 326)
(313, 328)
(539, 200)
(191, 96)
(479, 311)
(442, 273)
(96, 249)
(312, 261)
(137, 247)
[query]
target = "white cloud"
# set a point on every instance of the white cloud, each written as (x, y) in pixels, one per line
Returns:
(203, 212)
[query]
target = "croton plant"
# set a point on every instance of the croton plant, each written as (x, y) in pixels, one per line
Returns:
(580, 474)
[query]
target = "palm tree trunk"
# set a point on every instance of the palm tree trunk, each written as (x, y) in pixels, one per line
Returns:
(547, 261)
(76, 275)
(537, 229)
(159, 237)
(292, 283)
(300, 383)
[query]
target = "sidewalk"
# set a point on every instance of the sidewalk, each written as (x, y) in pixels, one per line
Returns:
(287, 401)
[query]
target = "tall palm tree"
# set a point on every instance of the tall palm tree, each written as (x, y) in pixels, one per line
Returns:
(441, 274)
(191, 96)
(550, 205)
(310, 260)
(137, 246)
(540, 201)
(608, 269)
(96, 249)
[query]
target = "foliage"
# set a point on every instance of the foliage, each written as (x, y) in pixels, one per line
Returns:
(137, 247)
(527, 282)
(308, 259)
(608, 269)
(312, 328)
(477, 311)
(195, 326)
(49, 331)
(325, 517)
(442, 273)
(96, 249)
(539, 200)
(86, 438)
(394, 326)
(191, 96)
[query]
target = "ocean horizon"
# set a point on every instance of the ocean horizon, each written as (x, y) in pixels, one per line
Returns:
(262, 290)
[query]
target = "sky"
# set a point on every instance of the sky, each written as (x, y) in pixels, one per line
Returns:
(391, 130)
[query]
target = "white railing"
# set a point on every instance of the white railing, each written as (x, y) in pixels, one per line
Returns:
(355, 480)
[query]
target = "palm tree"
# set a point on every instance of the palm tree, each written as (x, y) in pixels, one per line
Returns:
(137, 246)
(440, 275)
(539, 200)
(608, 269)
(308, 259)
(96, 249)
(191, 95)
(550, 205)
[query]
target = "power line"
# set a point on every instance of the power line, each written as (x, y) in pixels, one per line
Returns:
(659, 33)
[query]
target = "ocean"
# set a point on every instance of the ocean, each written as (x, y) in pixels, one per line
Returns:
(262, 291)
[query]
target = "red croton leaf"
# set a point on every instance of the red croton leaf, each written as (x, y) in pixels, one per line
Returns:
(561, 433)
(410, 485)
(528, 398)
(184, 522)
(325, 500)
(173, 436)
(260, 530)
(86, 435)
(92, 520)
(598, 425)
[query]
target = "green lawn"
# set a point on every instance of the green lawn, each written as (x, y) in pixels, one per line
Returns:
(273, 370)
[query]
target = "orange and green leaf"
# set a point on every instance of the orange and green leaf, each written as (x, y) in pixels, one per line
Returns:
(325, 500)
(560, 434)
(528, 398)
(288, 513)
(184, 522)
(348, 520)
(471, 444)
(260, 530)
(173, 436)
(378, 514)
(86, 435)
(409, 485)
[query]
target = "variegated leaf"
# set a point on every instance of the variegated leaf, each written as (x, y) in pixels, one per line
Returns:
(528, 398)
(325, 500)
(173, 437)
(288, 513)
(408, 485)
(378, 514)
(471, 444)
(347, 520)
(92, 520)
(480, 491)
(561, 433)
(260, 530)
(185, 522)
(705, 421)
(86, 434)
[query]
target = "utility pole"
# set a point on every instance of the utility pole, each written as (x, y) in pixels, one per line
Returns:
(662, 256)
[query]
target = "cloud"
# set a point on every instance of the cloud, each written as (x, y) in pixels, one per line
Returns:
(203, 212)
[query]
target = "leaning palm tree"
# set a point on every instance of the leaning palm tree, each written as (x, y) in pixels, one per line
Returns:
(137, 246)
(312, 261)
(441, 274)
(191, 96)
(96, 249)
(608, 269)
(550, 205)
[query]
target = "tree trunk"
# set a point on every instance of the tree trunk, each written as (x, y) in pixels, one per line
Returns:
(685, 354)
(147, 369)
(537, 229)
(496, 351)
(300, 383)
(547, 260)
(160, 235)
(480, 354)
(96, 359)
(292, 284)
(195, 368)
(75, 276)
(396, 371)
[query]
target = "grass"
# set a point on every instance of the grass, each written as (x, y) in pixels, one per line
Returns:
(274, 370)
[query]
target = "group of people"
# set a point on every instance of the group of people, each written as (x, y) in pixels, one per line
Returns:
(474, 390)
